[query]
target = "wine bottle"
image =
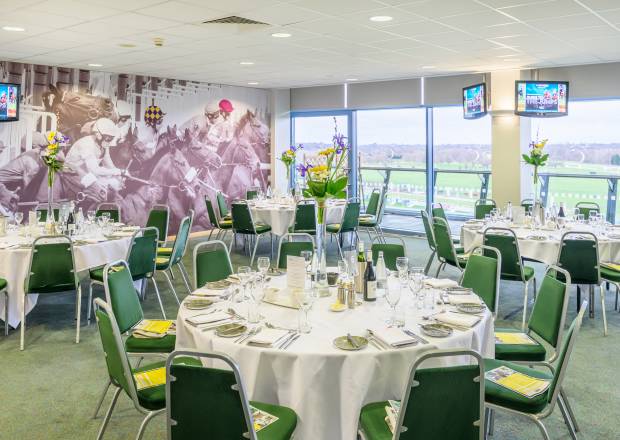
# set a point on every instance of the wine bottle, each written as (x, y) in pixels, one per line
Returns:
(361, 257)
(381, 271)
(70, 223)
(361, 267)
(370, 280)
(562, 213)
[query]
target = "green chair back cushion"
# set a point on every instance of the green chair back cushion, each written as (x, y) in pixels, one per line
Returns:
(293, 248)
(211, 213)
(44, 213)
(546, 315)
(251, 194)
(52, 269)
(305, 218)
(481, 276)
(580, 259)
(351, 217)
(445, 246)
(391, 251)
(242, 218)
(221, 205)
(113, 355)
(212, 265)
(180, 241)
(373, 203)
(438, 211)
(428, 230)
(158, 218)
(142, 256)
(445, 405)
(483, 209)
(507, 247)
(564, 354)
(114, 214)
(124, 298)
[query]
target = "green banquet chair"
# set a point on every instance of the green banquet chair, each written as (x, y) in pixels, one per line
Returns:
(391, 251)
(287, 246)
(165, 263)
(537, 408)
(150, 401)
(243, 223)
(438, 211)
(482, 275)
(211, 262)
(447, 252)
(221, 206)
(305, 217)
(348, 223)
(51, 270)
(444, 403)
(110, 208)
(141, 257)
(166, 251)
(159, 217)
(513, 269)
(585, 208)
(527, 204)
(42, 208)
(579, 257)
(122, 297)
(251, 194)
(212, 403)
(430, 239)
(484, 207)
(370, 220)
(219, 225)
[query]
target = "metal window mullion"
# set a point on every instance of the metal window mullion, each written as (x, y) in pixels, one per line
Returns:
(430, 174)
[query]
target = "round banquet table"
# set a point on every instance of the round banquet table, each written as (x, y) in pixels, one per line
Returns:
(544, 244)
(14, 263)
(327, 387)
(281, 215)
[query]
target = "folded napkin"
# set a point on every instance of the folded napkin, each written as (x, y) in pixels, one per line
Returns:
(464, 299)
(123, 233)
(268, 337)
(91, 240)
(203, 291)
(457, 319)
(442, 283)
(208, 318)
(394, 337)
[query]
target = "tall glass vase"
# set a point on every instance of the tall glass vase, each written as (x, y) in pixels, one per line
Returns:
(321, 254)
(538, 212)
(288, 181)
(50, 224)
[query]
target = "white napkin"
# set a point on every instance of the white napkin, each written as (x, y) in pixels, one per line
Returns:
(92, 240)
(268, 337)
(208, 318)
(457, 319)
(442, 283)
(203, 291)
(394, 337)
(123, 233)
(464, 299)
(6, 245)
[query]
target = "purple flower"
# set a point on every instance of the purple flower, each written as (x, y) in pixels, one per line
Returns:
(303, 169)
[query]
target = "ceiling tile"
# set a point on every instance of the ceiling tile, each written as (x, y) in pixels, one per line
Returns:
(338, 7)
(73, 8)
(548, 9)
(439, 9)
(183, 12)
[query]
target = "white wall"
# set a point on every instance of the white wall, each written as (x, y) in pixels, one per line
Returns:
(280, 135)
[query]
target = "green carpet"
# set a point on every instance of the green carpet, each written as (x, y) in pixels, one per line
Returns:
(49, 391)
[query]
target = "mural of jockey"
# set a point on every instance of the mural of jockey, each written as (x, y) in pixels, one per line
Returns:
(214, 138)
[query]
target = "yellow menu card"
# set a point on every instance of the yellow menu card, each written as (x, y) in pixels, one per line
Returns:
(150, 378)
(523, 384)
(513, 339)
(157, 326)
(612, 266)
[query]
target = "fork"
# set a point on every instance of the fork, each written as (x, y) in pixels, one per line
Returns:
(277, 327)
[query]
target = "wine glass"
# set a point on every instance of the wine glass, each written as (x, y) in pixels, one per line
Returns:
(19, 217)
(402, 265)
(305, 298)
(245, 274)
(263, 264)
(307, 256)
(392, 296)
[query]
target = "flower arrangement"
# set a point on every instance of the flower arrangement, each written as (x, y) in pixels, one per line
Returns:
(536, 157)
(327, 178)
(50, 156)
(288, 159)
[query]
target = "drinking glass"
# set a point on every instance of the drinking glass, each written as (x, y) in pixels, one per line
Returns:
(305, 299)
(245, 274)
(392, 296)
(402, 265)
(257, 294)
(307, 256)
(263, 264)
(19, 217)
(343, 270)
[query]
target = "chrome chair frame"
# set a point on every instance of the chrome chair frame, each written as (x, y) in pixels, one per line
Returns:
(498, 257)
(292, 235)
(110, 206)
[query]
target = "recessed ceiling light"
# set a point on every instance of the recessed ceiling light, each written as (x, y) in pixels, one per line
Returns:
(95, 65)
(381, 18)
(13, 29)
(127, 45)
(351, 79)
(246, 63)
(428, 67)
(252, 83)
(280, 35)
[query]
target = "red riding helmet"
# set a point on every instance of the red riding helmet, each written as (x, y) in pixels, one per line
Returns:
(226, 106)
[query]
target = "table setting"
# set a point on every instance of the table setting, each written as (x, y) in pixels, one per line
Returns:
(285, 338)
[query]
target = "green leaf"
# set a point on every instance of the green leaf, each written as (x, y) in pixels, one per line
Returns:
(340, 195)
(307, 193)
(317, 188)
(335, 186)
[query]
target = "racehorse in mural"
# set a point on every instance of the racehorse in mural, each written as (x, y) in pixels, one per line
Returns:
(240, 158)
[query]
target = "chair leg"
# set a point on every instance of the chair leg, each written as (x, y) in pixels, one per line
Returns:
(569, 409)
(185, 276)
(171, 286)
(108, 414)
(90, 301)
(254, 250)
(102, 398)
(567, 419)
(542, 428)
(525, 289)
(79, 313)
(146, 420)
(602, 292)
(339, 249)
(22, 327)
(6, 312)
(491, 421)
(161, 306)
(429, 263)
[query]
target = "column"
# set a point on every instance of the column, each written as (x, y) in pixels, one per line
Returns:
(280, 135)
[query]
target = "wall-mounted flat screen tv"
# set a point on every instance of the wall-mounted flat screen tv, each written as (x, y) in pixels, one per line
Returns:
(541, 99)
(9, 102)
(475, 101)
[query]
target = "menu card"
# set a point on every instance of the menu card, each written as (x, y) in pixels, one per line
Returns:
(520, 383)
(517, 338)
(150, 378)
(295, 272)
(518, 215)
(262, 419)
(392, 414)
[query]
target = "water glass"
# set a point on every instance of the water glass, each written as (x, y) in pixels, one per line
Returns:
(305, 298)
(245, 274)
(402, 265)
(19, 217)
(307, 256)
(257, 294)
(392, 296)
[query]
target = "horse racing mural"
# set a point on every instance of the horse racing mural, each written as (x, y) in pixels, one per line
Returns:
(203, 138)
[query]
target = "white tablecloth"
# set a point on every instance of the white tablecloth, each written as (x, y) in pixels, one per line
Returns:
(282, 216)
(326, 386)
(14, 266)
(546, 250)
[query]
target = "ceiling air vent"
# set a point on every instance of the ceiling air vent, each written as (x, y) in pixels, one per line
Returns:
(233, 19)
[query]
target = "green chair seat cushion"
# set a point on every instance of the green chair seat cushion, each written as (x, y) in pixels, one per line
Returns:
(456, 240)
(225, 224)
(260, 228)
(610, 274)
(150, 345)
(370, 222)
(528, 274)
(372, 421)
(96, 274)
(161, 263)
(227, 218)
(283, 428)
(166, 251)
(333, 228)
(367, 216)
(292, 229)
(519, 352)
(498, 395)
(459, 250)
(154, 398)
(3, 283)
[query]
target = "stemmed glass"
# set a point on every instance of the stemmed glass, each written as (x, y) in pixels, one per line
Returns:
(392, 296)
(305, 298)
(307, 256)
(245, 274)
(402, 266)
(19, 217)
(263, 264)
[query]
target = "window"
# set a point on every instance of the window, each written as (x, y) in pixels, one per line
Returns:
(461, 150)
(586, 142)
(394, 138)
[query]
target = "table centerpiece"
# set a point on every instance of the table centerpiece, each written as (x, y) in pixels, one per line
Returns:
(288, 159)
(54, 165)
(537, 158)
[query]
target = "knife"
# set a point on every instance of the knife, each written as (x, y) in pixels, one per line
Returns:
(413, 335)
(290, 341)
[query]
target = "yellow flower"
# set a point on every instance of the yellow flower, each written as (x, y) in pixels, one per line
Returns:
(327, 152)
(52, 147)
(318, 168)
(51, 135)
(540, 145)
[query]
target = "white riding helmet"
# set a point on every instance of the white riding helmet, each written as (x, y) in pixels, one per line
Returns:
(123, 108)
(212, 107)
(105, 127)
